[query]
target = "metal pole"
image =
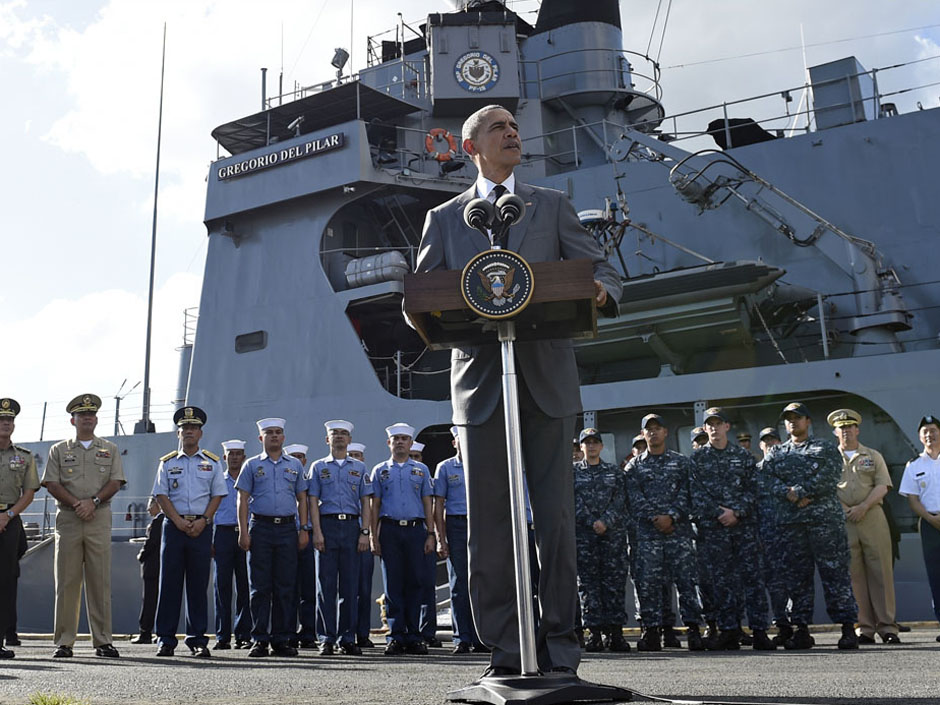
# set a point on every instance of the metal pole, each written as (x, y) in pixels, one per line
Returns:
(264, 88)
(520, 538)
(145, 426)
(42, 428)
(822, 325)
(117, 415)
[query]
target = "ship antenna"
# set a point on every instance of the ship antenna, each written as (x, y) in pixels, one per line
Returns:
(145, 425)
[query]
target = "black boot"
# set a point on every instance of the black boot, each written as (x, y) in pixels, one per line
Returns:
(849, 638)
(711, 631)
(615, 641)
(784, 633)
(727, 640)
(762, 642)
(650, 641)
(596, 642)
(671, 639)
(801, 639)
(694, 638)
(744, 639)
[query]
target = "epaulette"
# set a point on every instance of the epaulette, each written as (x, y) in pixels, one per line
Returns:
(21, 449)
(169, 455)
(210, 454)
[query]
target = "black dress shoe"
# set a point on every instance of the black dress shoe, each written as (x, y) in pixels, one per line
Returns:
(434, 642)
(5, 653)
(62, 651)
(327, 649)
(865, 639)
(142, 638)
(13, 640)
(283, 650)
(394, 648)
(259, 649)
(364, 642)
(221, 646)
(903, 628)
(499, 672)
(309, 644)
(462, 647)
(201, 652)
(165, 650)
(242, 643)
(480, 649)
(888, 639)
(416, 648)
(349, 648)
(106, 651)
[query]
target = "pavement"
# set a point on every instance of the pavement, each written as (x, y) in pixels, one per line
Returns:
(896, 675)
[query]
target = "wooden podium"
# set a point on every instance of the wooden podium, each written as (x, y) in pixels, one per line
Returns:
(449, 309)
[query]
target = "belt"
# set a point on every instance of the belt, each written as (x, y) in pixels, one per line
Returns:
(274, 520)
(456, 516)
(403, 522)
(341, 517)
(233, 527)
(191, 517)
(4, 507)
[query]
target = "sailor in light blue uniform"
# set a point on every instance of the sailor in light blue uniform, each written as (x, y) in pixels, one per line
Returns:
(402, 534)
(450, 514)
(339, 489)
(427, 623)
(305, 598)
(366, 570)
(272, 489)
(189, 488)
(230, 559)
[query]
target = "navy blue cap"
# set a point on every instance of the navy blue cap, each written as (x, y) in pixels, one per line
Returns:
(696, 433)
(769, 431)
(795, 408)
(927, 421)
(589, 433)
(189, 415)
(652, 417)
(715, 411)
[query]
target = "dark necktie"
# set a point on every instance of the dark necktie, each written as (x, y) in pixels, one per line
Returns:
(498, 190)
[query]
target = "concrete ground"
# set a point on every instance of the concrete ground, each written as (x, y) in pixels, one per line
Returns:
(897, 675)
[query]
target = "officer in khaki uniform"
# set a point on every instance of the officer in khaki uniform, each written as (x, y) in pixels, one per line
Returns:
(864, 483)
(18, 483)
(82, 475)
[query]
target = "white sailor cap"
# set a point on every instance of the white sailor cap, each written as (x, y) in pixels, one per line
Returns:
(233, 444)
(296, 448)
(272, 422)
(417, 446)
(339, 424)
(453, 431)
(356, 448)
(400, 429)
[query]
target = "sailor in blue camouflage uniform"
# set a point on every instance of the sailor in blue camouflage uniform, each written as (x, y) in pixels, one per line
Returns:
(658, 488)
(402, 534)
(699, 438)
(189, 487)
(771, 547)
(802, 476)
(600, 516)
(273, 491)
(339, 488)
(723, 487)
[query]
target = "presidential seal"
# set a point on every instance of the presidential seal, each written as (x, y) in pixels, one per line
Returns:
(497, 284)
(476, 72)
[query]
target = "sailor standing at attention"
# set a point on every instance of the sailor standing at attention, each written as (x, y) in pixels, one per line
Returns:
(339, 489)
(83, 474)
(305, 598)
(272, 489)
(189, 488)
(357, 451)
(18, 483)
(402, 534)
(230, 559)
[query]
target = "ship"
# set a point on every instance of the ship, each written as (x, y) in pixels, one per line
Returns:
(769, 253)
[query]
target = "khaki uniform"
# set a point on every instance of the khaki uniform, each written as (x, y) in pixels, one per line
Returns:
(869, 543)
(83, 547)
(17, 473)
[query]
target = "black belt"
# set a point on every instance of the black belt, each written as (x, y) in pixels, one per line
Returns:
(403, 522)
(274, 520)
(341, 517)
(456, 516)
(233, 527)
(4, 507)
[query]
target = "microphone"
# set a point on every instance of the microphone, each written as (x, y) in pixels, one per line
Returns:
(479, 215)
(510, 209)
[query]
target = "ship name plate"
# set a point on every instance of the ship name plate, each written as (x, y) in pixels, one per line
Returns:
(311, 148)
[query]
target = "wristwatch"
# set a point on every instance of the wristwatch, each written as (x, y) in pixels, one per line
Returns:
(432, 532)
(208, 520)
(11, 514)
(96, 500)
(307, 527)
(364, 532)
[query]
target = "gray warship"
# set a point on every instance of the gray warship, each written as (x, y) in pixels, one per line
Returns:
(769, 252)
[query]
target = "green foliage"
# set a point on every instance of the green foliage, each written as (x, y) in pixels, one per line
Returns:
(54, 699)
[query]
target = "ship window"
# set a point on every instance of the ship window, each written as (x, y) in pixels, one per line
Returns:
(250, 342)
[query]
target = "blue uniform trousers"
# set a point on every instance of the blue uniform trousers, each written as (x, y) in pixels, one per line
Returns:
(930, 544)
(364, 596)
(775, 569)
(183, 558)
(306, 597)
(230, 560)
(733, 558)
(338, 577)
(427, 624)
(458, 568)
(272, 575)
(403, 563)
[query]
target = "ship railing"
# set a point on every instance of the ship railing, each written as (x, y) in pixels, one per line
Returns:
(129, 517)
(620, 74)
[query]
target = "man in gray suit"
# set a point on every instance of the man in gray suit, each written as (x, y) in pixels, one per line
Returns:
(549, 400)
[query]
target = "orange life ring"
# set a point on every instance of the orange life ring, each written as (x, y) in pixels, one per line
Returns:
(436, 134)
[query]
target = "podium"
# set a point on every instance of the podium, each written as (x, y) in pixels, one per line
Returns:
(500, 298)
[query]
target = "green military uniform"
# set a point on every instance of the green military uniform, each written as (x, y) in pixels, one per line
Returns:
(83, 548)
(17, 475)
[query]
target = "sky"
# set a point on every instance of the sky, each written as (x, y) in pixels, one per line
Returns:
(80, 82)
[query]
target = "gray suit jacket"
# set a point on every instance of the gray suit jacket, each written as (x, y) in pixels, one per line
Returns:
(549, 231)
